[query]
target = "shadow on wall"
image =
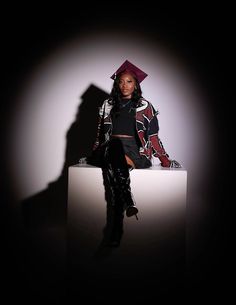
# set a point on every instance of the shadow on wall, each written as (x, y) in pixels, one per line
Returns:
(48, 207)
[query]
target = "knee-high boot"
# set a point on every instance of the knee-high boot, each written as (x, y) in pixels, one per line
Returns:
(115, 214)
(120, 177)
(125, 195)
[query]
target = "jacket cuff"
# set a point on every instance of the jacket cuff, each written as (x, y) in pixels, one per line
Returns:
(165, 162)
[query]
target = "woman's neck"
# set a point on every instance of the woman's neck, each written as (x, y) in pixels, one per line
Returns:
(125, 99)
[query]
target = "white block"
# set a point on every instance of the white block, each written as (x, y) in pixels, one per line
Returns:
(160, 195)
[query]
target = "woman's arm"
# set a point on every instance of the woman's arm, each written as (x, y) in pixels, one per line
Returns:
(99, 135)
(157, 147)
(97, 139)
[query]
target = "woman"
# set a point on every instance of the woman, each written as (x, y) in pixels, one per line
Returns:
(127, 136)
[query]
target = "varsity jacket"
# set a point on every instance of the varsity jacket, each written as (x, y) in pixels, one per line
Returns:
(147, 128)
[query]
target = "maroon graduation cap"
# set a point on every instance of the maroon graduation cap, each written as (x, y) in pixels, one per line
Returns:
(129, 67)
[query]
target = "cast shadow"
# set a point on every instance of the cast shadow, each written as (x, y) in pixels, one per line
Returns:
(48, 207)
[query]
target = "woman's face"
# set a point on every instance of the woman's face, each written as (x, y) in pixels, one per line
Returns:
(127, 85)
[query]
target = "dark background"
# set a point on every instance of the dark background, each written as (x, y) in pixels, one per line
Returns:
(204, 38)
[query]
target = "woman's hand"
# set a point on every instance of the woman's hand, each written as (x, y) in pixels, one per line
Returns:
(83, 160)
(175, 164)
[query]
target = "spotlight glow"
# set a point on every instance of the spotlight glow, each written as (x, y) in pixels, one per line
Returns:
(49, 100)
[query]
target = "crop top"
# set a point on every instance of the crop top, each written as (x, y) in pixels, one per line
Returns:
(123, 118)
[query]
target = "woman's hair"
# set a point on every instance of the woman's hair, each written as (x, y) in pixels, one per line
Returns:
(116, 97)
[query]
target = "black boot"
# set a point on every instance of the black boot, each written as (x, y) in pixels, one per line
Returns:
(120, 176)
(122, 179)
(110, 187)
(117, 228)
(115, 214)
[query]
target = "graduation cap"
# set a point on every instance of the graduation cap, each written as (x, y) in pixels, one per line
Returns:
(130, 68)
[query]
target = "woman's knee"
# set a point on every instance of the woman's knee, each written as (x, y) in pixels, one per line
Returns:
(129, 161)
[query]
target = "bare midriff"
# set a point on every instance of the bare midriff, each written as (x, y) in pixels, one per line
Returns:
(122, 136)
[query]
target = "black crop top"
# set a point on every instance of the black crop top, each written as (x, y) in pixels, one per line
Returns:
(123, 118)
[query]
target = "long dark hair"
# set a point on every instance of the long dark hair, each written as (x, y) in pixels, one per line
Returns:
(116, 97)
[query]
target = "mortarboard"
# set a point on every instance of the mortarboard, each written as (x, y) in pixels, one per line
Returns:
(129, 67)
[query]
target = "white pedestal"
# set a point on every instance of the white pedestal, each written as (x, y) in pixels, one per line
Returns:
(156, 239)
